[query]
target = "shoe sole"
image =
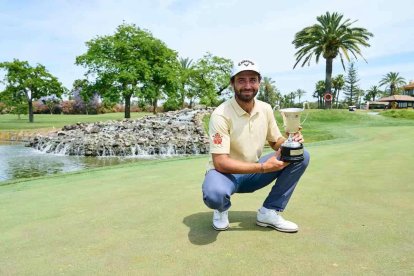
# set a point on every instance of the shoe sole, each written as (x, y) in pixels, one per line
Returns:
(264, 224)
(220, 229)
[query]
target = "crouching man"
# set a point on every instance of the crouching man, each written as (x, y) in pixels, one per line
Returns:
(238, 131)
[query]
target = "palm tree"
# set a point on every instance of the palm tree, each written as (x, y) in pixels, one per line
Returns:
(338, 84)
(300, 93)
(373, 92)
(285, 100)
(319, 91)
(186, 66)
(393, 80)
(359, 93)
(330, 37)
(268, 92)
(292, 96)
(185, 62)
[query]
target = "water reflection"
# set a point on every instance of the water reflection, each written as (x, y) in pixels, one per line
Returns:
(17, 161)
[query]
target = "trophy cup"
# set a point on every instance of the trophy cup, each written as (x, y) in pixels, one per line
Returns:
(292, 151)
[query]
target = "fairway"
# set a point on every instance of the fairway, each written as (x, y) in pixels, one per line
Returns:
(354, 207)
(12, 128)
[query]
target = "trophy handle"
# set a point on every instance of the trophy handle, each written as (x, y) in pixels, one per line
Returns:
(307, 113)
(276, 107)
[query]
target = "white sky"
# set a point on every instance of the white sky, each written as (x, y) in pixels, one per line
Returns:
(53, 33)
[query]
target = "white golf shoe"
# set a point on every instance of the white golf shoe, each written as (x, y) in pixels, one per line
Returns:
(271, 218)
(220, 220)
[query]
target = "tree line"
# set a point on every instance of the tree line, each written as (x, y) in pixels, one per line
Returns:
(390, 84)
(131, 63)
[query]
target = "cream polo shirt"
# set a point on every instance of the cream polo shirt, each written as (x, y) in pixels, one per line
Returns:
(239, 134)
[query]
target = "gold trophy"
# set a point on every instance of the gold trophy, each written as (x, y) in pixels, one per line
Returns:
(292, 151)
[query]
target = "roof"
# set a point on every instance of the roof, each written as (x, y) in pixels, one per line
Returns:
(409, 86)
(397, 98)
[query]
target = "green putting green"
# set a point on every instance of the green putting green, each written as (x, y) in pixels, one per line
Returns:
(354, 207)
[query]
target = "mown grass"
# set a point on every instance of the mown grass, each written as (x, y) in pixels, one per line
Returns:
(353, 205)
(323, 125)
(10, 122)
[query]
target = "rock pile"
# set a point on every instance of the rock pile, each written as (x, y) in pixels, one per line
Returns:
(171, 133)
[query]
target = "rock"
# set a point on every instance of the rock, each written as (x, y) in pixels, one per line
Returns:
(176, 132)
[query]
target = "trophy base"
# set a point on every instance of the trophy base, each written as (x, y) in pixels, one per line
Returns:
(292, 154)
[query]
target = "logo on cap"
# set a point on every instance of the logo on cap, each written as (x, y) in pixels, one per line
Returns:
(245, 62)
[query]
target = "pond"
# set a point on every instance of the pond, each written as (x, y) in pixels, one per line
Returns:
(18, 161)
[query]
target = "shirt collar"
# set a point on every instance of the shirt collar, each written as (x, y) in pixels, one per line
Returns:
(240, 111)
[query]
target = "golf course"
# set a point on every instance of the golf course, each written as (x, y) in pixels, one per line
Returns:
(354, 207)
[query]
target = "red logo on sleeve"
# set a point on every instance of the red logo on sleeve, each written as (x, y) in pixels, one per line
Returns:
(217, 139)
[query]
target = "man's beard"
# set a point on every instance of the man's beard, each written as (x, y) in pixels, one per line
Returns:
(242, 96)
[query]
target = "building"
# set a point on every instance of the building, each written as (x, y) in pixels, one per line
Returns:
(376, 105)
(398, 101)
(409, 89)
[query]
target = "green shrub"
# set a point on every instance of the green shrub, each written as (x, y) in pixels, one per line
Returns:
(399, 113)
(171, 105)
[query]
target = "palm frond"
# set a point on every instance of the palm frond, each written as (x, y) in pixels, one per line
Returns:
(329, 37)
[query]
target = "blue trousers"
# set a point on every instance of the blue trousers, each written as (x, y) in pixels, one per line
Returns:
(218, 187)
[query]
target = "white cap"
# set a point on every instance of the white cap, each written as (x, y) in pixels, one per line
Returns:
(244, 65)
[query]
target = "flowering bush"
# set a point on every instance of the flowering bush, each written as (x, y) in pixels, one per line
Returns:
(40, 108)
(67, 107)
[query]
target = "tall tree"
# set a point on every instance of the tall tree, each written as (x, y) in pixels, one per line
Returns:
(300, 93)
(330, 37)
(359, 94)
(15, 102)
(292, 96)
(30, 83)
(126, 62)
(351, 84)
(186, 68)
(338, 84)
(268, 92)
(393, 80)
(211, 78)
(285, 101)
(163, 82)
(319, 92)
(372, 93)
